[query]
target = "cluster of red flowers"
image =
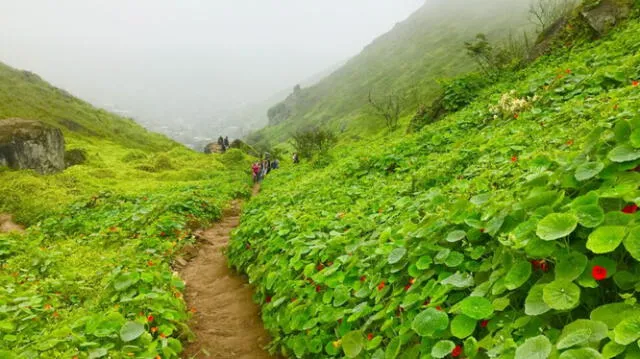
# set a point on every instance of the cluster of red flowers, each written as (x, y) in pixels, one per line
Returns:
(635, 83)
(630, 209)
(540, 264)
(381, 285)
(599, 273)
(457, 351)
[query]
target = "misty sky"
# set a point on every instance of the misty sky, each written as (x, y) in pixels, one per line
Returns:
(168, 59)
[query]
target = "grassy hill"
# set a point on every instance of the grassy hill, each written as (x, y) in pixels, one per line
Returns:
(103, 235)
(409, 60)
(509, 229)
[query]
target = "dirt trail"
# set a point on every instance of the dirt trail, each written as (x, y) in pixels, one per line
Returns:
(7, 225)
(227, 322)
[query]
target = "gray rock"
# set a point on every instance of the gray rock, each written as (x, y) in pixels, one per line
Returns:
(28, 144)
(605, 15)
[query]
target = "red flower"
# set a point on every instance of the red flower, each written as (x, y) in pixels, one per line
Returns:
(439, 308)
(570, 143)
(544, 266)
(516, 116)
(484, 323)
(150, 263)
(268, 299)
(407, 287)
(320, 267)
(154, 329)
(514, 159)
(635, 83)
(162, 335)
(381, 285)
(363, 278)
(318, 289)
(456, 351)
(599, 273)
(369, 336)
(630, 209)
(150, 318)
(412, 281)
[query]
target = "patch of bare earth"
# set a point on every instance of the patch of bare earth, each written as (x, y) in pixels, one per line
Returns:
(227, 322)
(7, 225)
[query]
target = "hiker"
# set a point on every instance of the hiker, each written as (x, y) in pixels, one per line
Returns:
(275, 164)
(221, 142)
(295, 158)
(265, 168)
(226, 142)
(256, 170)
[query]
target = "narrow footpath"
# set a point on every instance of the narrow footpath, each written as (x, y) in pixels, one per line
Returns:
(226, 322)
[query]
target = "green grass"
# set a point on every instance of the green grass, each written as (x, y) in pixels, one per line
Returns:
(480, 232)
(407, 60)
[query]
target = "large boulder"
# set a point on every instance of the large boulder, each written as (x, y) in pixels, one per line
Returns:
(606, 14)
(28, 144)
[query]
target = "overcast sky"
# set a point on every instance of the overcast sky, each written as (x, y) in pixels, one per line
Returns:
(187, 58)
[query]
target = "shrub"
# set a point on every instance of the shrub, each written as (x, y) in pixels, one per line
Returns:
(309, 142)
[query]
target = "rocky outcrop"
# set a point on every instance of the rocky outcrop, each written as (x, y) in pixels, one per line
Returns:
(213, 148)
(27, 144)
(606, 14)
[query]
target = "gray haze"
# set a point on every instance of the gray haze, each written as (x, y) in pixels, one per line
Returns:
(187, 61)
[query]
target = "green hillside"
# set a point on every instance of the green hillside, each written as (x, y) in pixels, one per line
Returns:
(506, 230)
(103, 235)
(408, 60)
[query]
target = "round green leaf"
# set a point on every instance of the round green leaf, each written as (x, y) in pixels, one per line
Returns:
(442, 349)
(614, 313)
(590, 216)
(570, 266)
(352, 343)
(456, 236)
(534, 304)
(588, 170)
(424, 262)
(429, 322)
(561, 295)
(612, 350)
(632, 242)
(582, 353)
(556, 225)
(517, 275)
(627, 331)
(534, 348)
(396, 255)
(605, 239)
(582, 331)
(131, 331)
(454, 259)
(624, 153)
(476, 307)
(462, 326)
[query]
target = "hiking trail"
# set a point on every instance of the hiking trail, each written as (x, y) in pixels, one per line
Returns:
(226, 322)
(7, 225)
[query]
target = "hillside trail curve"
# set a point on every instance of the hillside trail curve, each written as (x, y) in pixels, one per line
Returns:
(226, 321)
(7, 225)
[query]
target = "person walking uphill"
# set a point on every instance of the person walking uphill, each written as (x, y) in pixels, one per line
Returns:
(226, 142)
(256, 172)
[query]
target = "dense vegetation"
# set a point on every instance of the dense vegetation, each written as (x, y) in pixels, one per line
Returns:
(92, 277)
(509, 229)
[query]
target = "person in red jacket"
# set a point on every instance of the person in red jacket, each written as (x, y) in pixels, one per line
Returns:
(256, 173)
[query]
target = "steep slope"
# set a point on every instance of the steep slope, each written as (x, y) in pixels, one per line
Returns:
(506, 230)
(409, 60)
(25, 95)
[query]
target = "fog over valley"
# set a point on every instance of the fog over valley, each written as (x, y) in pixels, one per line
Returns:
(190, 68)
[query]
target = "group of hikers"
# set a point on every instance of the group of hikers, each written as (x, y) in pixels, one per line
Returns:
(262, 168)
(223, 143)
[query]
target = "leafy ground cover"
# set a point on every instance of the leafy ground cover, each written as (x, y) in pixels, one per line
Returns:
(95, 279)
(507, 230)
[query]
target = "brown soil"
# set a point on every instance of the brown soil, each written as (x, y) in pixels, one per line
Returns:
(227, 322)
(7, 225)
